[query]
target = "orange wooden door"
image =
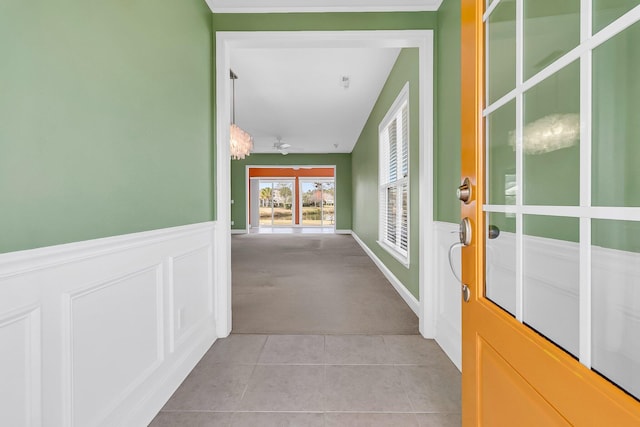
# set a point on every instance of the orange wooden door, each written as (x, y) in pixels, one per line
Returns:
(513, 375)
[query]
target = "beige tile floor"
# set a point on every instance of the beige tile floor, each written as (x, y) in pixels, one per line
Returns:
(318, 380)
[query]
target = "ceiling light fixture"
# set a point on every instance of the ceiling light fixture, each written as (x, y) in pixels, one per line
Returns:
(281, 146)
(241, 142)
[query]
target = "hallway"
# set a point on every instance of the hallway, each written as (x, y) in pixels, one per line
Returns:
(350, 356)
(312, 284)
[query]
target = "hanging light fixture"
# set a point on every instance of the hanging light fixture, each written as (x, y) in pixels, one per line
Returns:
(241, 142)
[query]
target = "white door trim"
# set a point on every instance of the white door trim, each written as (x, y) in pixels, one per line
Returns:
(228, 41)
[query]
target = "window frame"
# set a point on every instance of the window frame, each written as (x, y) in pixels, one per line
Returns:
(395, 112)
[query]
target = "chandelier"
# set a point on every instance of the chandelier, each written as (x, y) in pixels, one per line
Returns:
(241, 143)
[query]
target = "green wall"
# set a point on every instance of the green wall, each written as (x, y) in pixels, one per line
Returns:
(105, 118)
(447, 112)
(324, 21)
(342, 163)
(364, 162)
(105, 112)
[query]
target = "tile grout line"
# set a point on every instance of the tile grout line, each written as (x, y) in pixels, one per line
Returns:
(255, 365)
(324, 386)
(406, 393)
(324, 381)
(210, 411)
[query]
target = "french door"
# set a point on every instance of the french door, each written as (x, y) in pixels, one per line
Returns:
(551, 144)
(317, 202)
(276, 203)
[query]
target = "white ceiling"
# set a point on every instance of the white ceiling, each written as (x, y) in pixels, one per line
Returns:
(295, 94)
(257, 6)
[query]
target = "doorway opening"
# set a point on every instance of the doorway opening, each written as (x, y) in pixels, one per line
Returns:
(291, 199)
(226, 43)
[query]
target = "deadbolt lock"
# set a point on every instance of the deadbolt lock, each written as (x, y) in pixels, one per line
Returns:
(464, 191)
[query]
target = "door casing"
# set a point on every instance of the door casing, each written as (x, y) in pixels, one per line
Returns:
(225, 42)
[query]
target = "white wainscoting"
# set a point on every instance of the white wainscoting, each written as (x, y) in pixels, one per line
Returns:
(447, 293)
(102, 332)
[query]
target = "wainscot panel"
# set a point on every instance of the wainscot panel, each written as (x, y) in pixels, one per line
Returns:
(101, 332)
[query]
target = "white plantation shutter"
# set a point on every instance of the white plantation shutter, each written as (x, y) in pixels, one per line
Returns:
(393, 150)
(405, 141)
(404, 218)
(394, 179)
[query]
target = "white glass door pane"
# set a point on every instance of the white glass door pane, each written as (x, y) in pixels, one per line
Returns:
(311, 201)
(283, 200)
(500, 264)
(615, 245)
(551, 278)
(615, 277)
(328, 204)
(266, 203)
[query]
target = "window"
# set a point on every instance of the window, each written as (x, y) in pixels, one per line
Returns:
(393, 197)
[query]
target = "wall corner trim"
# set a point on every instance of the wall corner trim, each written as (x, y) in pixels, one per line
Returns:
(411, 301)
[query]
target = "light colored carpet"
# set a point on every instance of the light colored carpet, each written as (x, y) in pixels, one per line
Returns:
(312, 284)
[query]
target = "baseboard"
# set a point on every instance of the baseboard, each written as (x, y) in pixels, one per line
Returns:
(238, 231)
(411, 301)
(343, 231)
(149, 406)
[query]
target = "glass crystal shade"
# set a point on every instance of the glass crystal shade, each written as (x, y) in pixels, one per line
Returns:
(241, 143)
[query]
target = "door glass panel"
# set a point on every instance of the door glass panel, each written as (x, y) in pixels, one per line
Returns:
(551, 29)
(310, 203)
(501, 37)
(615, 126)
(276, 203)
(501, 156)
(500, 264)
(283, 204)
(551, 137)
(318, 202)
(266, 203)
(615, 271)
(607, 11)
(328, 204)
(551, 278)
